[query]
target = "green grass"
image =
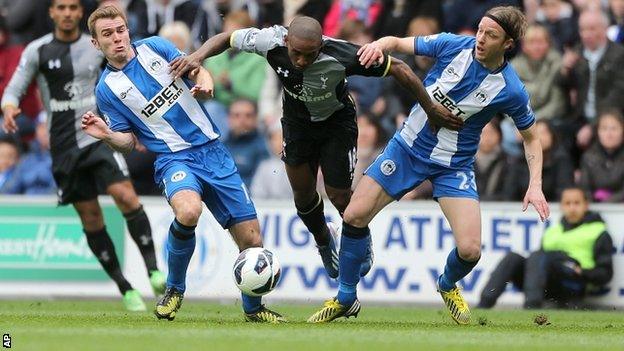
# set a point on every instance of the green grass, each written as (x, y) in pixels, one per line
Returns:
(104, 325)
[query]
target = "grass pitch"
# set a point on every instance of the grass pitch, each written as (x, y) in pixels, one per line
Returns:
(104, 325)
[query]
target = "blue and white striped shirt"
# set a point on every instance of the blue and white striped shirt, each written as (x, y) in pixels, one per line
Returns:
(143, 98)
(469, 90)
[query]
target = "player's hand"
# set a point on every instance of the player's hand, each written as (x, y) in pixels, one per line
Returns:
(535, 196)
(94, 126)
(8, 123)
(201, 91)
(180, 65)
(440, 117)
(371, 54)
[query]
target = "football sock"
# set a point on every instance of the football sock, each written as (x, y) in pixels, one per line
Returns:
(180, 247)
(102, 247)
(313, 217)
(141, 233)
(353, 246)
(455, 269)
(251, 304)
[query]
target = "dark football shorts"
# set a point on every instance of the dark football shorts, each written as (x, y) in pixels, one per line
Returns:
(83, 174)
(330, 144)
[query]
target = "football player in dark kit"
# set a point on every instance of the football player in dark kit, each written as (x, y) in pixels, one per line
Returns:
(67, 67)
(319, 118)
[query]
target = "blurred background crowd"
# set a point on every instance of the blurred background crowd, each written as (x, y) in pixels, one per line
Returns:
(571, 61)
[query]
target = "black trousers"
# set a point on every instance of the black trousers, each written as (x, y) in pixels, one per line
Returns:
(543, 275)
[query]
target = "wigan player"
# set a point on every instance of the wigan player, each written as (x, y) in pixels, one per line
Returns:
(137, 96)
(473, 80)
(319, 118)
(67, 67)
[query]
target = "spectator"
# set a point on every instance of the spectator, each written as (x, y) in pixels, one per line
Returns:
(366, 11)
(595, 73)
(316, 9)
(397, 15)
(30, 105)
(270, 180)
(216, 10)
(616, 31)
(28, 20)
(575, 254)
(370, 143)
(161, 12)
(237, 74)
(557, 172)
(136, 13)
(464, 16)
(539, 67)
(245, 142)
(9, 156)
(602, 166)
(491, 163)
(557, 16)
(178, 33)
(365, 90)
(418, 27)
(33, 174)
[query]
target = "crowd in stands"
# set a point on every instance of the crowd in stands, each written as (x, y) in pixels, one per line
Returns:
(570, 61)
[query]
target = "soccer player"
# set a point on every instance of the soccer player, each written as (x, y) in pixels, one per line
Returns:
(138, 97)
(473, 80)
(67, 67)
(319, 118)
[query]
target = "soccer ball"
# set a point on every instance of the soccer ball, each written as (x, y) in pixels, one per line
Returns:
(256, 271)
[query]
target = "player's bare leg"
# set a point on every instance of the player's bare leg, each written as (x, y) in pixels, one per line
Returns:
(464, 216)
(140, 230)
(309, 204)
(369, 198)
(103, 249)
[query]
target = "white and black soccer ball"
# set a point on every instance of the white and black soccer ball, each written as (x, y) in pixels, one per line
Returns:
(256, 271)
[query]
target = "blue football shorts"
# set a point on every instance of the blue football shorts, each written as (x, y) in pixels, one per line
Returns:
(398, 171)
(210, 171)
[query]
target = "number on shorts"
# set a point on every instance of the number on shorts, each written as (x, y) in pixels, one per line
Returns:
(467, 180)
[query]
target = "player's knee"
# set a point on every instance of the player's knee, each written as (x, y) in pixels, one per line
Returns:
(470, 252)
(352, 217)
(340, 199)
(188, 213)
(127, 201)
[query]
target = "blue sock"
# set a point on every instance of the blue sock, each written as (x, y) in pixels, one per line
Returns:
(251, 304)
(353, 246)
(456, 268)
(180, 247)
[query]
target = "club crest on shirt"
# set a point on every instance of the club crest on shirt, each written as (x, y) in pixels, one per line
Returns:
(481, 96)
(387, 167)
(107, 119)
(178, 176)
(156, 65)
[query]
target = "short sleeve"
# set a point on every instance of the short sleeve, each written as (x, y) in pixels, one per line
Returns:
(163, 47)
(346, 53)
(436, 45)
(115, 120)
(520, 110)
(258, 41)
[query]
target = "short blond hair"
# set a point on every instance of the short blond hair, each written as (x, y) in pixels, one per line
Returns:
(108, 11)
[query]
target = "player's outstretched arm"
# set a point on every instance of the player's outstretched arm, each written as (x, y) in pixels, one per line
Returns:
(437, 114)
(97, 128)
(212, 47)
(533, 154)
(374, 52)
